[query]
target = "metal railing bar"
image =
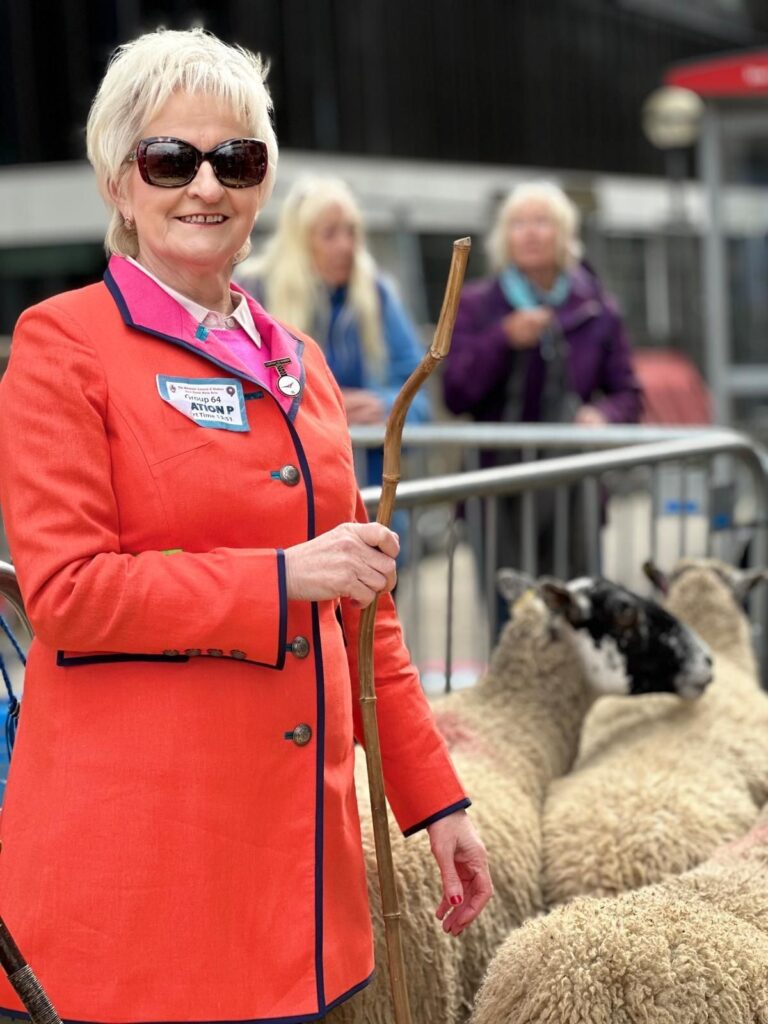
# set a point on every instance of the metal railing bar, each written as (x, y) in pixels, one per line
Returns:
(9, 589)
(527, 435)
(569, 468)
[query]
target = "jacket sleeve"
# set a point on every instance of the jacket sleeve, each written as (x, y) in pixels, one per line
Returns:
(81, 591)
(420, 780)
(404, 353)
(622, 396)
(479, 357)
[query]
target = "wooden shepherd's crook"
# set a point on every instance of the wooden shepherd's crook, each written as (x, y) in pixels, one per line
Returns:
(21, 976)
(392, 440)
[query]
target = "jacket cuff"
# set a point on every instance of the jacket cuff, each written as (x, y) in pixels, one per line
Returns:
(461, 805)
(282, 621)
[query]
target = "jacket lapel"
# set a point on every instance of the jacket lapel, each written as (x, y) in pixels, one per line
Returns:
(280, 343)
(146, 307)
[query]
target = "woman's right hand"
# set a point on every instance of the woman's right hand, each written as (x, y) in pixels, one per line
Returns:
(523, 327)
(355, 560)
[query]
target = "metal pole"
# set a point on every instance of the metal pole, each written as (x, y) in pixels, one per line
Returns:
(591, 499)
(683, 523)
(491, 538)
(562, 531)
(528, 534)
(653, 494)
(453, 531)
(716, 300)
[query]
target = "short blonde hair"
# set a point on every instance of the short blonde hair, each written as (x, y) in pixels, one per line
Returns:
(291, 287)
(141, 77)
(563, 212)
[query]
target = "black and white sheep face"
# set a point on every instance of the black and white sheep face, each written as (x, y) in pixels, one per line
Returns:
(629, 644)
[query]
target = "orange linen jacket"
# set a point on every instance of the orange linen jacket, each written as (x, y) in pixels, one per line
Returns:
(180, 836)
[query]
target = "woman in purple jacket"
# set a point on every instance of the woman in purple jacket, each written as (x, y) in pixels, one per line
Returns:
(539, 341)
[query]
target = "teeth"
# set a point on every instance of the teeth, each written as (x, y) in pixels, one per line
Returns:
(204, 218)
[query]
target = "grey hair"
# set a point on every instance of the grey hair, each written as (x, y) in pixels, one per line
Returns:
(563, 212)
(141, 77)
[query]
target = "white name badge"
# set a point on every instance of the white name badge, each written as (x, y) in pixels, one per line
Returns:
(215, 402)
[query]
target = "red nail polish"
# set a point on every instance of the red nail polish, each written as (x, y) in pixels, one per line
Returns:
(455, 900)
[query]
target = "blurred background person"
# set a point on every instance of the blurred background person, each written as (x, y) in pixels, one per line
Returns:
(539, 341)
(316, 273)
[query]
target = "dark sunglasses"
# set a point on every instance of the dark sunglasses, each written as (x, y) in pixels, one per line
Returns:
(171, 163)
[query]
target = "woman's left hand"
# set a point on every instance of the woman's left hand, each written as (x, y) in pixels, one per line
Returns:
(363, 407)
(463, 864)
(589, 416)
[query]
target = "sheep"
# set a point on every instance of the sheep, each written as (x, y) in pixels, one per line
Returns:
(690, 950)
(509, 736)
(659, 784)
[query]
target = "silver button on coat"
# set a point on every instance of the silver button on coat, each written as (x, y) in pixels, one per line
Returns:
(302, 734)
(300, 647)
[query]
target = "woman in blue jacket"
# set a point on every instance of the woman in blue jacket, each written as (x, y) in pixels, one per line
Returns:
(316, 274)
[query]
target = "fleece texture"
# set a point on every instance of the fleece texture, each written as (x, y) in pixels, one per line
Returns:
(659, 784)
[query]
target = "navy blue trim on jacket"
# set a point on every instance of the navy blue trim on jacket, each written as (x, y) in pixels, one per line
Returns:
(319, 730)
(16, 1015)
(64, 660)
(460, 806)
(282, 628)
(125, 313)
(317, 640)
(67, 661)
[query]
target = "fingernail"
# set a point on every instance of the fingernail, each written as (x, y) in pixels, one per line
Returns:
(455, 900)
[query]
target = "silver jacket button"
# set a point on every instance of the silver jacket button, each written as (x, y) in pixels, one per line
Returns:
(300, 647)
(170, 654)
(238, 654)
(215, 652)
(302, 734)
(290, 475)
(193, 652)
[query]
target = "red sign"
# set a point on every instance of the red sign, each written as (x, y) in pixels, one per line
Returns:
(734, 74)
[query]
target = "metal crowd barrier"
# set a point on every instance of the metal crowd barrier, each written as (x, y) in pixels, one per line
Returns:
(701, 492)
(693, 491)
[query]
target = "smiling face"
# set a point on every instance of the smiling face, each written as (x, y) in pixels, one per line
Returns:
(200, 226)
(332, 244)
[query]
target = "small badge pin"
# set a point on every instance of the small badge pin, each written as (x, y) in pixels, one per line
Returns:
(286, 382)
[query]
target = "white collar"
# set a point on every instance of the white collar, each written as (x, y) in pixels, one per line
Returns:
(209, 317)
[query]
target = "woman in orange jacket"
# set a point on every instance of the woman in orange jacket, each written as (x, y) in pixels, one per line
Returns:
(180, 839)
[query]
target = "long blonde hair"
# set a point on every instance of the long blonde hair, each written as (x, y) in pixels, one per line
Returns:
(292, 289)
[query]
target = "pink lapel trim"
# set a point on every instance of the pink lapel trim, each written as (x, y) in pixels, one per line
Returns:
(147, 307)
(281, 344)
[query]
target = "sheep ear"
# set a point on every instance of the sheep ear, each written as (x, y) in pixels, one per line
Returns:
(512, 584)
(559, 599)
(658, 578)
(745, 580)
